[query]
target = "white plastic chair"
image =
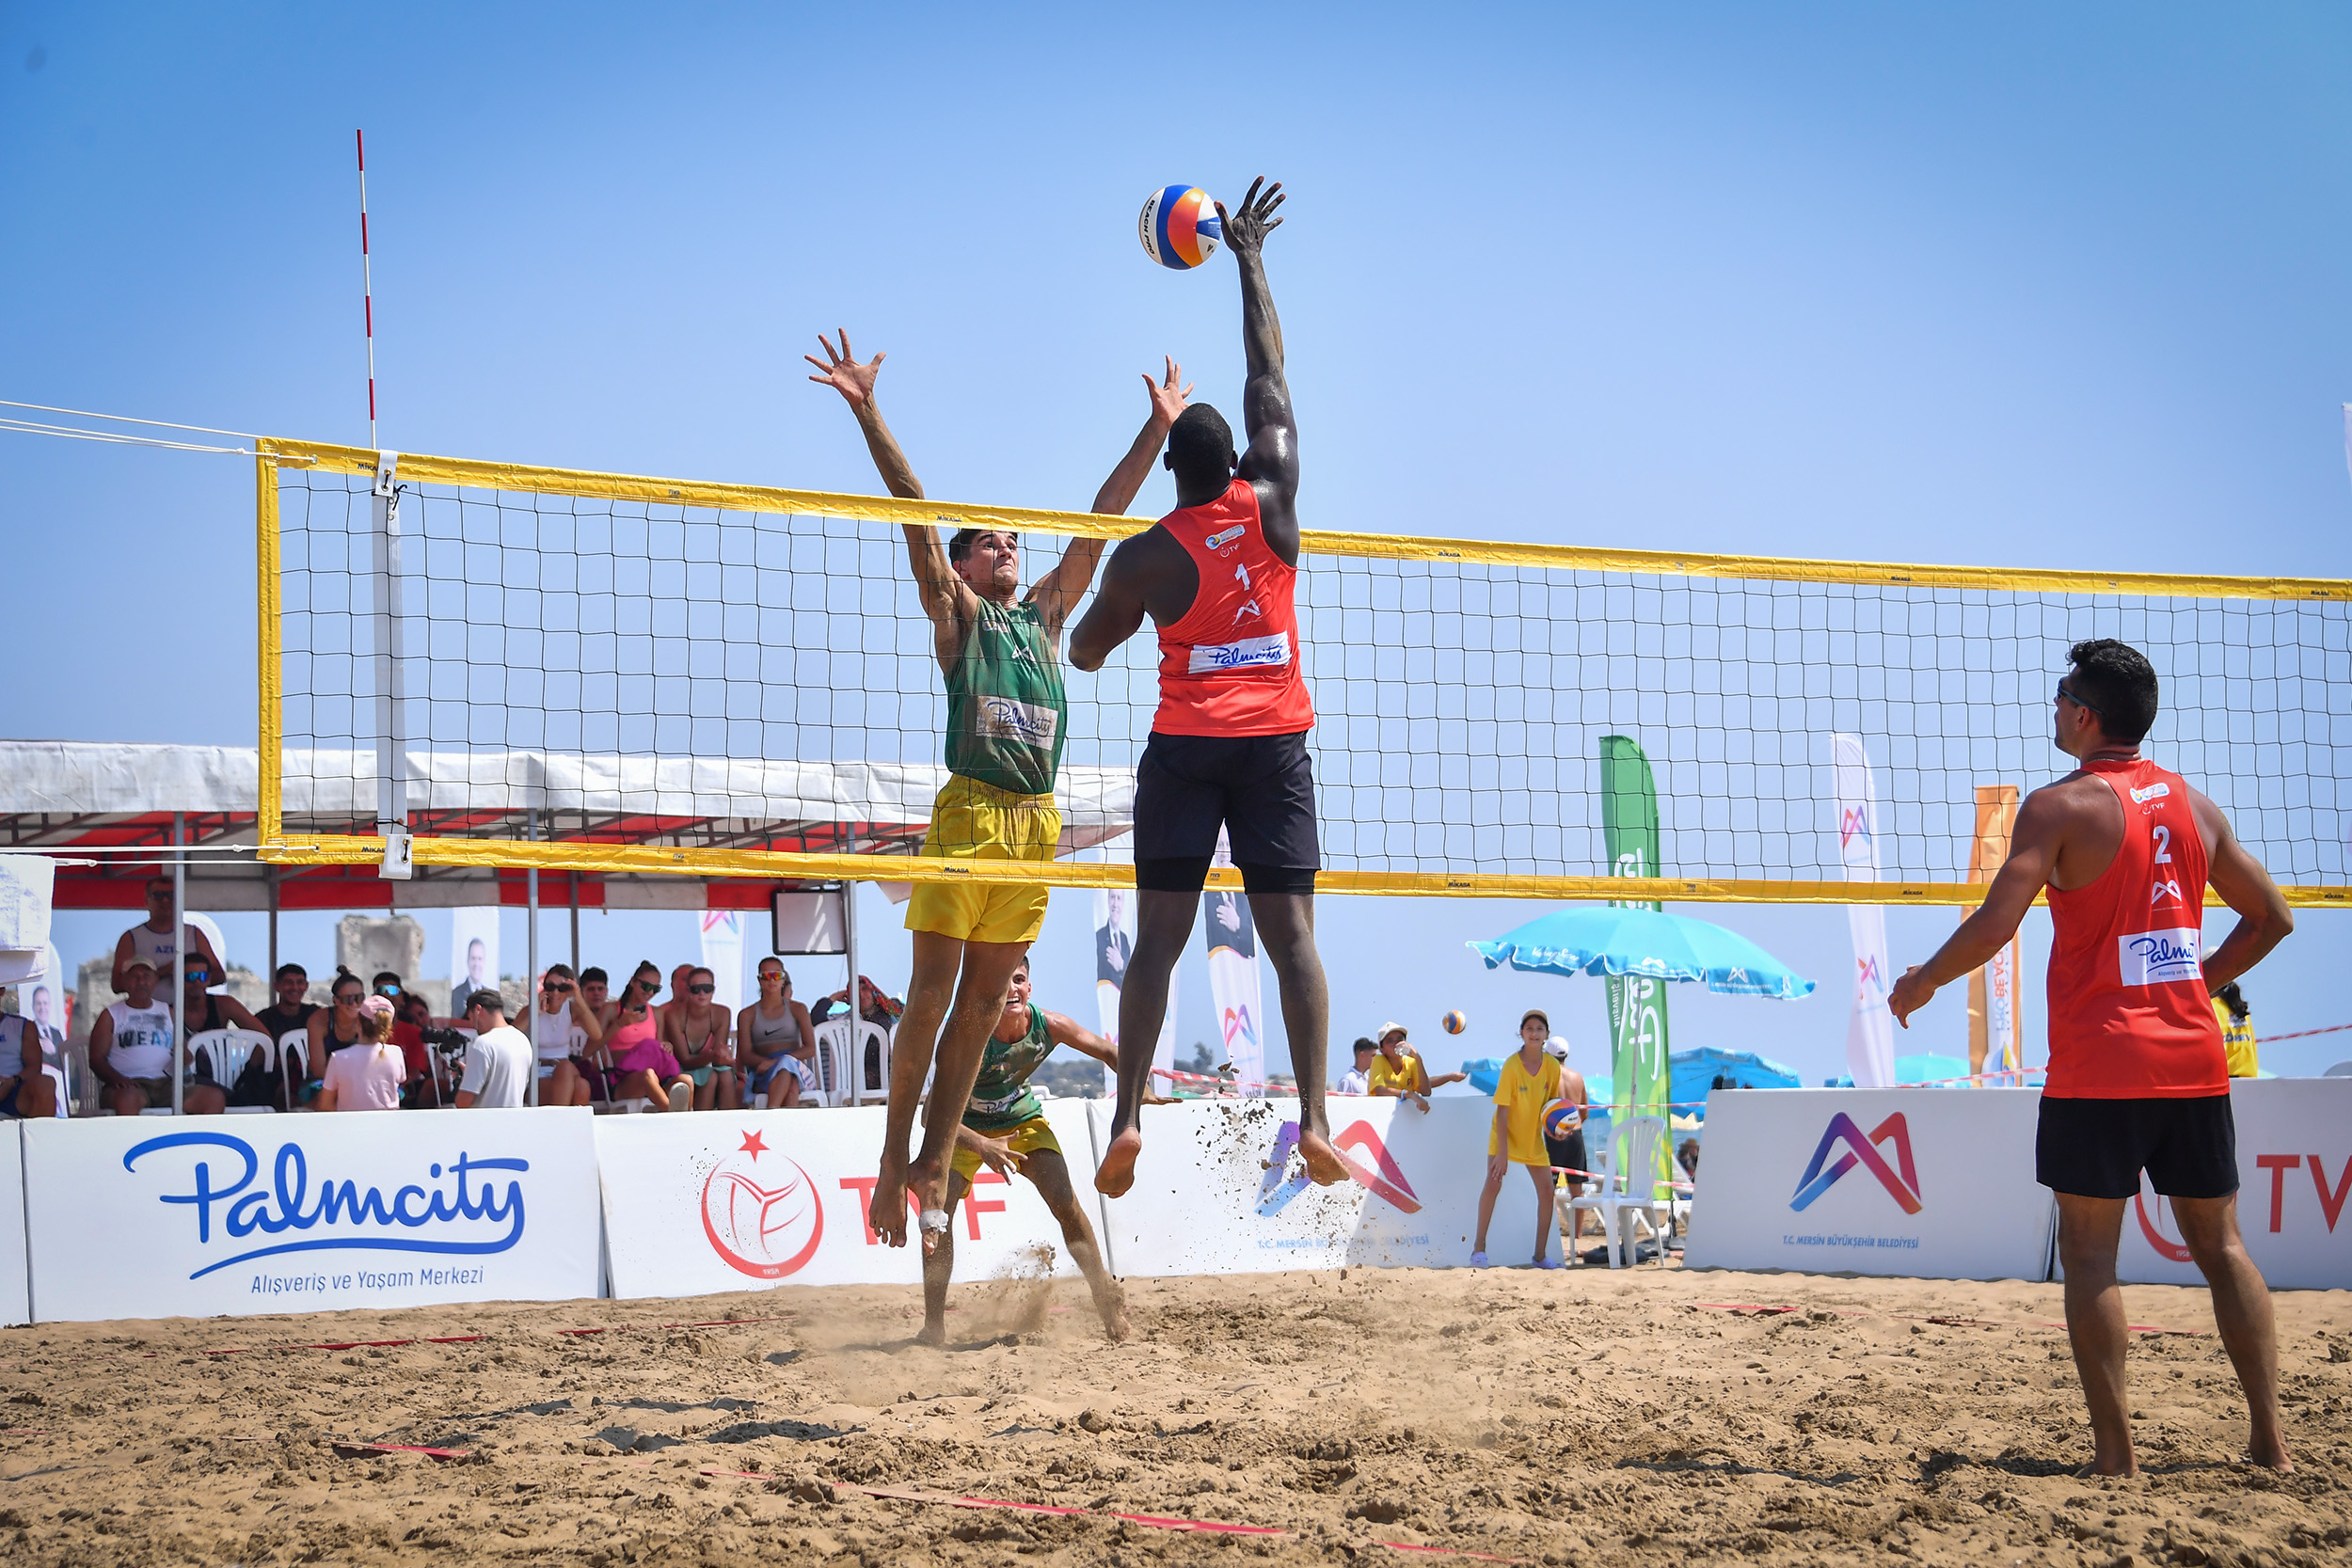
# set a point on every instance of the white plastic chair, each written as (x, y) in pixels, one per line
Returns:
(65, 1100)
(874, 1084)
(834, 1081)
(293, 1063)
(1627, 1189)
(227, 1052)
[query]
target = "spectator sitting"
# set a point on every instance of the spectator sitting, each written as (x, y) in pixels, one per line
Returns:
(366, 1076)
(498, 1061)
(204, 1095)
(776, 1040)
(1686, 1156)
(1400, 1072)
(875, 1007)
(25, 1089)
(1359, 1080)
(152, 943)
(643, 1067)
(699, 1033)
(290, 1012)
(562, 1031)
(130, 1046)
(1529, 1082)
(677, 996)
(336, 1025)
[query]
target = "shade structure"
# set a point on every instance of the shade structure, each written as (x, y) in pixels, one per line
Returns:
(1609, 940)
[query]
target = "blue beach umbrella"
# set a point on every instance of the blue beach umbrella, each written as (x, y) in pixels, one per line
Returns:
(1606, 939)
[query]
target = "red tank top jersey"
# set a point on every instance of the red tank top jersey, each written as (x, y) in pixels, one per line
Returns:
(2129, 1016)
(1231, 666)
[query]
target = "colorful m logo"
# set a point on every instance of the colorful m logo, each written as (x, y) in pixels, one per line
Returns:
(1275, 1192)
(1862, 1152)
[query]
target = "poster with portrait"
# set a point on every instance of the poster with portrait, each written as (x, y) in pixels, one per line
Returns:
(473, 953)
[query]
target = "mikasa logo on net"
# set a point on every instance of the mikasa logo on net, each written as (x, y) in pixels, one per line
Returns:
(2158, 958)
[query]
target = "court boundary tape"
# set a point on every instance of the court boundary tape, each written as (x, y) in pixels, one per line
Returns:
(1942, 1320)
(1150, 1521)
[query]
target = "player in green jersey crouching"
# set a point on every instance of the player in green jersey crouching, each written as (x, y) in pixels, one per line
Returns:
(1004, 1128)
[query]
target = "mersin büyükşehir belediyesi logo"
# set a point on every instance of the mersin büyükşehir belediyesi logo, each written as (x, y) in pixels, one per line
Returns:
(1862, 1150)
(458, 1213)
(1388, 1181)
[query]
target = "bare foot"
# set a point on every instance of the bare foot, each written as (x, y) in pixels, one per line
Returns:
(2096, 1470)
(1115, 1324)
(886, 1212)
(1326, 1165)
(933, 1334)
(2271, 1455)
(1117, 1173)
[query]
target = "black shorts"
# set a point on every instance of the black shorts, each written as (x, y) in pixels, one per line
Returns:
(1260, 788)
(2098, 1148)
(1569, 1152)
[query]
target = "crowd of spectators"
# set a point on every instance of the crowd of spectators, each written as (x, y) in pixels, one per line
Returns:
(376, 1045)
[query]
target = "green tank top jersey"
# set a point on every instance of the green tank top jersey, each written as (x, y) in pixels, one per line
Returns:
(1001, 1096)
(1006, 711)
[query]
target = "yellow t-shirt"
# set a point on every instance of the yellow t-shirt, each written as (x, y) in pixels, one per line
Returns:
(1409, 1078)
(2237, 1040)
(1524, 1096)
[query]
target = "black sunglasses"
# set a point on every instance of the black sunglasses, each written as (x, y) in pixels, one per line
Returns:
(2069, 696)
(552, 989)
(701, 990)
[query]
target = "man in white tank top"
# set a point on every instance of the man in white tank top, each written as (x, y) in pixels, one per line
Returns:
(130, 1046)
(152, 943)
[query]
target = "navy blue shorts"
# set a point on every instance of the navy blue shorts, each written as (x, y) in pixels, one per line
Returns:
(1258, 788)
(2098, 1148)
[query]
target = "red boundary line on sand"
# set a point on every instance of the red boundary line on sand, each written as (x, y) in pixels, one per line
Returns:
(1150, 1521)
(1947, 1320)
(350, 1449)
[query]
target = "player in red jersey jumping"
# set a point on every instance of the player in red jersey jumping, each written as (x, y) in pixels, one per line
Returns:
(2137, 1079)
(1229, 745)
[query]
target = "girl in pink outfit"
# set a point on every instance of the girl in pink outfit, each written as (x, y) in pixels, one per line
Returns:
(367, 1074)
(643, 1066)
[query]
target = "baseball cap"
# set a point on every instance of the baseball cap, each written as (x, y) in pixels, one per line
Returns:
(1391, 1027)
(1557, 1047)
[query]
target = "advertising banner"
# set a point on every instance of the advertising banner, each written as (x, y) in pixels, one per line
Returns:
(2295, 1176)
(1638, 1035)
(1114, 944)
(1232, 939)
(16, 1294)
(238, 1215)
(1997, 1019)
(1932, 1183)
(1219, 1190)
(747, 1201)
(1870, 1028)
(723, 955)
(473, 953)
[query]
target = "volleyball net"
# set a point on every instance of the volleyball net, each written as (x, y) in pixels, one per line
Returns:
(523, 666)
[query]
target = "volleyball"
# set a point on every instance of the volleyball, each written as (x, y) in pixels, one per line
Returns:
(1180, 227)
(1453, 1022)
(1562, 1117)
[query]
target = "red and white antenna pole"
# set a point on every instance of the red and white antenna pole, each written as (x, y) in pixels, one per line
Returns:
(367, 282)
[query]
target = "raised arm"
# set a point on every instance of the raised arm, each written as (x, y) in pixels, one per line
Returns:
(2264, 917)
(1271, 462)
(1057, 593)
(944, 595)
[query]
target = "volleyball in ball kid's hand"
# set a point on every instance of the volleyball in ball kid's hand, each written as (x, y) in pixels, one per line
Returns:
(1453, 1022)
(1180, 227)
(1562, 1117)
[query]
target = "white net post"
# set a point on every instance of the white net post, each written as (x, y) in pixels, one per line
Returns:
(391, 753)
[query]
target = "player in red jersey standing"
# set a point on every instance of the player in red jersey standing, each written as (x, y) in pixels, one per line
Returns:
(1229, 745)
(2137, 1080)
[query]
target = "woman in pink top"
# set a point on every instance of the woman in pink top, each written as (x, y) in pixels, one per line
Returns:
(367, 1074)
(643, 1067)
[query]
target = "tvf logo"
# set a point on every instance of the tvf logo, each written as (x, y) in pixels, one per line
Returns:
(1383, 1177)
(2331, 1200)
(1823, 1174)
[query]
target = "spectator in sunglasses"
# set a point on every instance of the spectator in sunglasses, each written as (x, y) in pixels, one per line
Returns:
(699, 1033)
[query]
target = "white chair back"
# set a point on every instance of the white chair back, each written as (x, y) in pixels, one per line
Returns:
(873, 1063)
(833, 1078)
(294, 1058)
(64, 1101)
(1637, 1149)
(229, 1050)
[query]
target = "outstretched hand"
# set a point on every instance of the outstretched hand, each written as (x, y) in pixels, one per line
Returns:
(1246, 226)
(1168, 397)
(843, 374)
(1911, 993)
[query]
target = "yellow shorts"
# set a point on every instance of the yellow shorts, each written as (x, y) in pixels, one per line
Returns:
(1027, 1138)
(971, 820)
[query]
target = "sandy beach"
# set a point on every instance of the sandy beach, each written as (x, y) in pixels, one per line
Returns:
(1641, 1416)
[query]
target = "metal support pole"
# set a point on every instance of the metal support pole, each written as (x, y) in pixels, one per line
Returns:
(530, 947)
(857, 1014)
(179, 958)
(573, 877)
(269, 879)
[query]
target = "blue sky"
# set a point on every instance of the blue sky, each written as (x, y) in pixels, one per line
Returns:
(2008, 285)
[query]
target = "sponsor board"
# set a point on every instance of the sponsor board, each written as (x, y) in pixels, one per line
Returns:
(747, 1201)
(2294, 1192)
(1933, 1184)
(237, 1215)
(16, 1292)
(1219, 1190)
